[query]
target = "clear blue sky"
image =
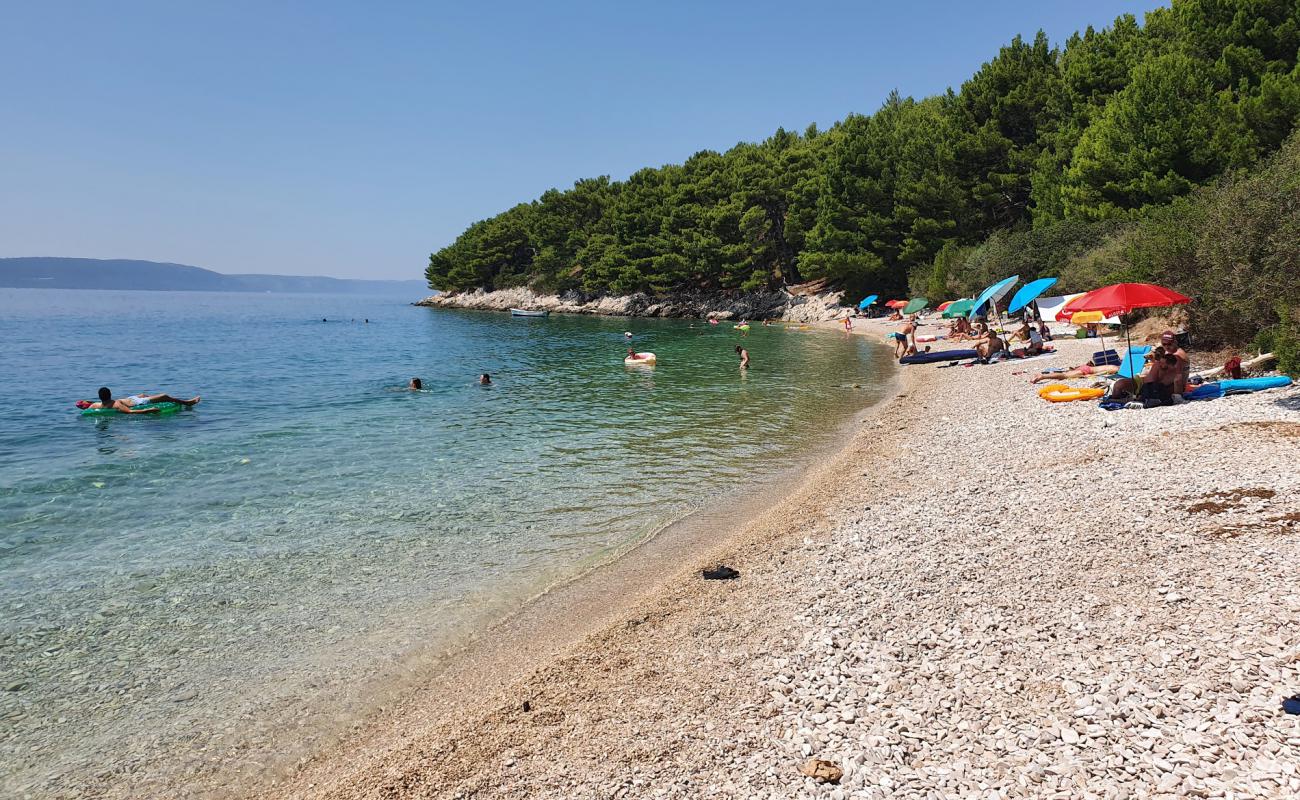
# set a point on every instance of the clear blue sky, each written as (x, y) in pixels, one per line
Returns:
(353, 139)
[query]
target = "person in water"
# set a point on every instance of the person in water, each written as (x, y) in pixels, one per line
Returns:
(744, 357)
(415, 385)
(127, 405)
(485, 379)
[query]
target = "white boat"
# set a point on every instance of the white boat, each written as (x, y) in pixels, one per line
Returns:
(523, 312)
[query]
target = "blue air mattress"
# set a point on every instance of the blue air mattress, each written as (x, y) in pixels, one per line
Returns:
(1210, 391)
(936, 356)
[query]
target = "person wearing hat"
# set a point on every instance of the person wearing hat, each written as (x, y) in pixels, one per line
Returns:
(1169, 341)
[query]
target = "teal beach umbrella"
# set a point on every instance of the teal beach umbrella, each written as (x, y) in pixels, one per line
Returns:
(959, 308)
(993, 294)
(1029, 293)
(915, 304)
(868, 300)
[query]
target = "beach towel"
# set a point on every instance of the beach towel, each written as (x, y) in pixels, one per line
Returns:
(1004, 358)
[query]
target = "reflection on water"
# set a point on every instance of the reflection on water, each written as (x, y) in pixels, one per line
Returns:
(192, 584)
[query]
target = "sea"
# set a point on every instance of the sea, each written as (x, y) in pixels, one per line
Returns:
(229, 584)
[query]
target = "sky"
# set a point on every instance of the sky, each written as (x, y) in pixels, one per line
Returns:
(353, 139)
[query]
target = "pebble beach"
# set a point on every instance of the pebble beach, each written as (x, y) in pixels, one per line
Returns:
(983, 595)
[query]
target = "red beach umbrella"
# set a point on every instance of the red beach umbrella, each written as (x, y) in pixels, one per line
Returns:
(944, 305)
(1119, 299)
(896, 303)
(1122, 298)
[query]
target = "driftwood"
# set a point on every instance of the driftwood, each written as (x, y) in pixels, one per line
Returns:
(1257, 361)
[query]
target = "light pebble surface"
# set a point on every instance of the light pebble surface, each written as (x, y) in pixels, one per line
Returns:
(983, 596)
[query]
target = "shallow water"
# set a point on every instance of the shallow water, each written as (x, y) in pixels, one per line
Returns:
(177, 590)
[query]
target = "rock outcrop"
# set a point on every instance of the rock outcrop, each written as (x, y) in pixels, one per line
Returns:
(780, 305)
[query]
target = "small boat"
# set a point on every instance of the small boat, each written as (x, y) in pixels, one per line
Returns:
(524, 312)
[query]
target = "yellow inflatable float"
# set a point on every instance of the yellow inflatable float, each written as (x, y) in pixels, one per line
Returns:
(1060, 393)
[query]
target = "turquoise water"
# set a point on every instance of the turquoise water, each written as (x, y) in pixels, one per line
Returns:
(194, 583)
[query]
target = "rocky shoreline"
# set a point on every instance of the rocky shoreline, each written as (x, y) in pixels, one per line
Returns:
(984, 595)
(775, 305)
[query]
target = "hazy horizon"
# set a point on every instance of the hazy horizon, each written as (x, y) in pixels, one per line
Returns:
(346, 142)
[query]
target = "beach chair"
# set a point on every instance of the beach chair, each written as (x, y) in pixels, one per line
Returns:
(1134, 361)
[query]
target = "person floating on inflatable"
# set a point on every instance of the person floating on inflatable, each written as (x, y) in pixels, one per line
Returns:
(639, 359)
(128, 405)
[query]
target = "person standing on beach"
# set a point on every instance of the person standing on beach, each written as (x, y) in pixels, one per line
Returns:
(1169, 342)
(905, 339)
(744, 357)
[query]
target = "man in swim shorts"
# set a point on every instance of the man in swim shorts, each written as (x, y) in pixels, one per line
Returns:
(127, 405)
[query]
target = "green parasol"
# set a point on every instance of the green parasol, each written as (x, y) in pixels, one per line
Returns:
(959, 309)
(915, 304)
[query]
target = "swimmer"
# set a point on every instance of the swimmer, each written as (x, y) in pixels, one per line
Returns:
(627, 334)
(485, 379)
(127, 405)
(744, 357)
(415, 385)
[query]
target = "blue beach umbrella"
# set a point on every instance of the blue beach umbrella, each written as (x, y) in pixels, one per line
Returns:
(1029, 293)
(868, 300)
(993, 294)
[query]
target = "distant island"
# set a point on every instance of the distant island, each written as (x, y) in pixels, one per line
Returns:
(46, 272)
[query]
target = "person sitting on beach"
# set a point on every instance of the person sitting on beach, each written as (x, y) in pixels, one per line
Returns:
(1126, 388)
(1035, 341)
(1085, 370)
(988, 344)
(1029, 334)
(959, 330)
(415, 385)
(127, 405)
(485, 379)
(744, 357)
(896, 316)
(1158, 386)
(1044, 331)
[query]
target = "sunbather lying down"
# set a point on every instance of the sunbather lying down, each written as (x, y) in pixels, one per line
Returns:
(1082, 371)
